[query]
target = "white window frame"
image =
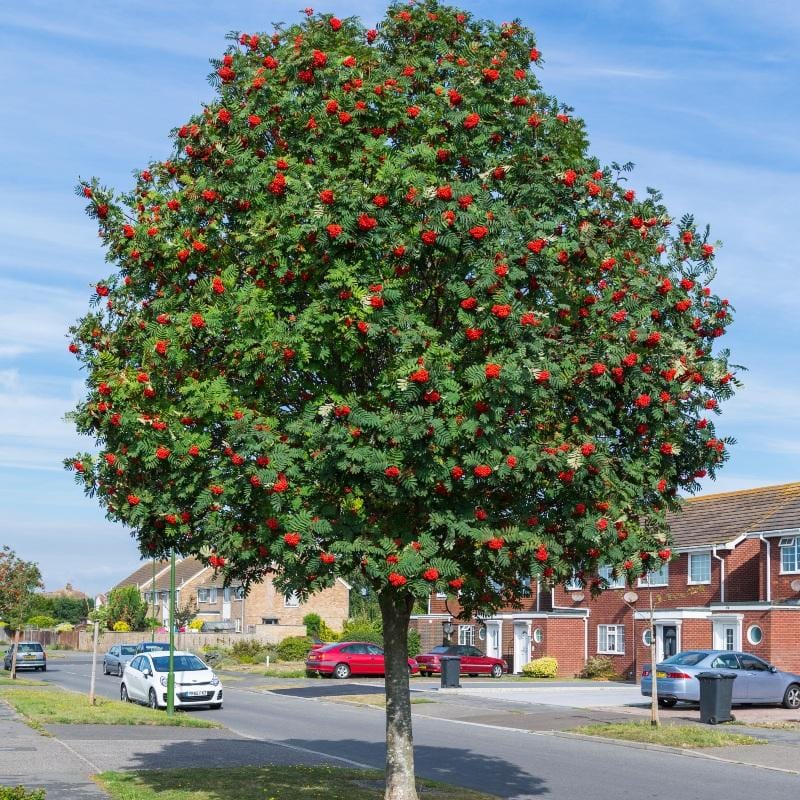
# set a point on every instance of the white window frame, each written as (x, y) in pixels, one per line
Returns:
(607, 573)
(574, 584)
(705, 554)
(751, 638)
(291, 600)
(661, 574)
(789, 545)
(207, 595)
(617, 636)
(466, 635)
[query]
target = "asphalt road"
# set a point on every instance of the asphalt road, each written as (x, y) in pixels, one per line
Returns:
(506, 762)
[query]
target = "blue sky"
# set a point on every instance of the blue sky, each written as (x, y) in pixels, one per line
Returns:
(701, 95)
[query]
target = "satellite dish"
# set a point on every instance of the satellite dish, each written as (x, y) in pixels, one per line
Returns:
(795, 586)
(630, 597)
(577, 597)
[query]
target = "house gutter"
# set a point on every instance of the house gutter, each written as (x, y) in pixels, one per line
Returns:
(769, 569)
(721, 573)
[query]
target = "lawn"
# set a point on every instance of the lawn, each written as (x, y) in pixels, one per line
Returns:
(48, 706)
(670, 735)
(265, 783)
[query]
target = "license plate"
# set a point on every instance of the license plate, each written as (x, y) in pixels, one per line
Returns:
(196, 693)
(661, 674)
(29, 658)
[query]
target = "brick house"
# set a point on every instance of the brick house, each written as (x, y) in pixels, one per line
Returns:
(264, 605)
(733, 583)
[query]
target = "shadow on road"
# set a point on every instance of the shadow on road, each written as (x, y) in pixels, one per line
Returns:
(456, 766)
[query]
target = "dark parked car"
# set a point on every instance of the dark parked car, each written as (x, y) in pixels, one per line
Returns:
(473, 661)
(757, 681)
(148, 647)
(343, 659)
(117, 657)
(30, 655)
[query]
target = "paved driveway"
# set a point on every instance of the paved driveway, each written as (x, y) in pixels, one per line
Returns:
(599, 695)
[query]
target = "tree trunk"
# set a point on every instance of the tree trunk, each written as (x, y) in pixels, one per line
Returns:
(396, 611)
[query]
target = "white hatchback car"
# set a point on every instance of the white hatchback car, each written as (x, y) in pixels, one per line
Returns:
(144, 680)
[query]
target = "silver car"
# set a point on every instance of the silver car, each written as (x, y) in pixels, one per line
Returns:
(757, 681)
(117, 657)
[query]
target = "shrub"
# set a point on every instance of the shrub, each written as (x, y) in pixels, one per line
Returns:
(195, 624)
(294, 648)
(313, 623)
(414, 644)
(545, 667)
(65, 627)
(248, 651)
(42, 621)
(20, 793)
(599, 667)
(120, 626)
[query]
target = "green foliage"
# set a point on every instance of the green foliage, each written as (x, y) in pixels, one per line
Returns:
(19, 580)
(414, 643)
(185, 613)
(41, 621)
(152, 623)
(21, 793)
(313, 623)
(545, 667)
(362, 629)
(248, 651)
(64, 609)
(121, 626)
(599, 667)
(126, 604)
(195, 624)
(329, 327)
(293, 648)
(65, 627)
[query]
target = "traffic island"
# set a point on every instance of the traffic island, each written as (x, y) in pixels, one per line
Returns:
(682, 736)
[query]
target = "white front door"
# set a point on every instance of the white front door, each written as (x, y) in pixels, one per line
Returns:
(226, 603)
(165, 609)
(522, 645)
(727, 635)
(494, 639)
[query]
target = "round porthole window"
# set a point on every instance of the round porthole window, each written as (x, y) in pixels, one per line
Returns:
(755, 634)
(537, 635)
(647, 639)
(482, 632)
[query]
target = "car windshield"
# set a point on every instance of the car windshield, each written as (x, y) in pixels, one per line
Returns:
(688, 659)
(150, 646)
(30, 647)
(440, 650)
(181, 664)
(127, 649)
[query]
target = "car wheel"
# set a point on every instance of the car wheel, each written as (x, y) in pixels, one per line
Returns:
(667, 702)
(152, 700)
(341, 671)
(44, 668)
(497, 671)
(123, 694)
(120, 670)
(791, 698)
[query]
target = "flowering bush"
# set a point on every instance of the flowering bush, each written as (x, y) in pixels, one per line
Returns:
(195, 624)
(121, 627)
(545, 667)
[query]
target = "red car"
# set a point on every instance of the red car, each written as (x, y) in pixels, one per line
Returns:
(473, 661)
(343, 659)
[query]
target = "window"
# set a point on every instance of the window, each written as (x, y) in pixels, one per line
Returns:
(208, 595)
(647, 637)
(574, 584)
(658, 577)
(466, 634)
(727, 661)
(607, 574)
(291, 600)
(699, 568)
(790, 553)
(537, 635)
(610, 638)
(441, 595)
(753, 664)
(754, 634)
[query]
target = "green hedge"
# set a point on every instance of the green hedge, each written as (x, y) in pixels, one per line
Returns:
(294, 648)
(20, 793)
(545, 667)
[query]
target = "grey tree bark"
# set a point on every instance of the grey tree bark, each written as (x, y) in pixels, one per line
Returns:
(396, 612)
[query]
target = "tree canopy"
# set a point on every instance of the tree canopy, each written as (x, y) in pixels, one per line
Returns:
(19, 580)
(381, 312)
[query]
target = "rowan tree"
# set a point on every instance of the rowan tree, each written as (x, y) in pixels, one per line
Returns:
(380, 312)
(19, 580)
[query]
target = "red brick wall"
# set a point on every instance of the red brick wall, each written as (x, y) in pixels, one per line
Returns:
(742, 570)
(562, 639)
(783, 634)
(781, 584)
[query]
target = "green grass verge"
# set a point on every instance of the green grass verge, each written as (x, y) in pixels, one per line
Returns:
(669, 735)
(6, 681)
(48, 706)
(265, 783)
